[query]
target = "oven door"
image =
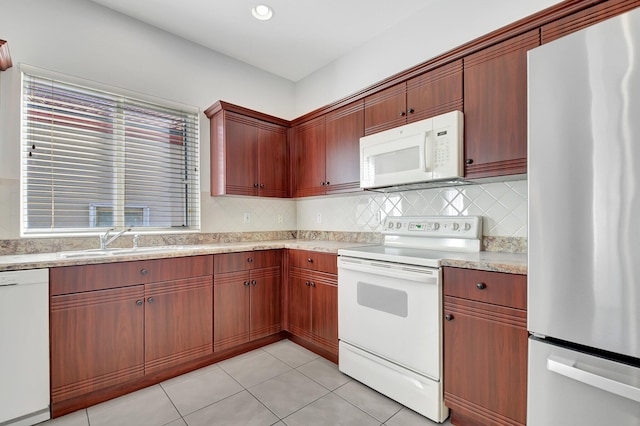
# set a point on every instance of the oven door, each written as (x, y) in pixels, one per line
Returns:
(393, 311)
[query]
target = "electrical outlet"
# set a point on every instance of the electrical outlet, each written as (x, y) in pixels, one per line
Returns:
(247, 217)
(280, 218)
(318, 217)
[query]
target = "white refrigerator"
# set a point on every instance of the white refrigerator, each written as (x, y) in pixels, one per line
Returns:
(584, 227)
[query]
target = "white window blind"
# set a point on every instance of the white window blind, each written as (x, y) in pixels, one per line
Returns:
(93, 160)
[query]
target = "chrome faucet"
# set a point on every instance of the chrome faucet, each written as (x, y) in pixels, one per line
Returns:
(105, 240)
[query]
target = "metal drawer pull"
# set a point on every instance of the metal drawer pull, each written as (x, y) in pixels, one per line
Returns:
(570, 369)
(143, 272)
(253, 282)
(448, 317)
(481, 286)
(139, 302)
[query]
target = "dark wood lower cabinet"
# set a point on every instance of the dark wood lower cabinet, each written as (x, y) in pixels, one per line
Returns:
(313, 302)
(247, 297)
(485, 347)
(97, 340)
(178, 325)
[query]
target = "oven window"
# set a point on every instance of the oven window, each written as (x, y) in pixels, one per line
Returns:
(385, 299)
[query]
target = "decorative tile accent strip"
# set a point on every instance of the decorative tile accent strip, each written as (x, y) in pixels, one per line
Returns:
(53, 245)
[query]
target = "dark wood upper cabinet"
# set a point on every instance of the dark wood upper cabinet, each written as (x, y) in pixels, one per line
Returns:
(344, 128)
(326, 152)
(432, 93)
(248, 154)
(495, 108)
(309, 158)
(5, 56)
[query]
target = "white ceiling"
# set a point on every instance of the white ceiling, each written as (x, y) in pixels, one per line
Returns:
(302, 37)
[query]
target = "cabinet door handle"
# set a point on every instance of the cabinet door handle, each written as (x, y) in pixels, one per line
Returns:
(410, 111)
(448, 317)
(323, 183)
(262, 185)
(150, 300)
(250, 260)
(313, 284)
(481, 286)
(246, 283)
(402, 113)
(139, 302)
(469, 161)
(307, 283)
(143, 272)
(328, 183)
(253, 282)
(310, 260)
(255, 185)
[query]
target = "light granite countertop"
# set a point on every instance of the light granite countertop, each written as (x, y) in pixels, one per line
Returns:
(484, 260)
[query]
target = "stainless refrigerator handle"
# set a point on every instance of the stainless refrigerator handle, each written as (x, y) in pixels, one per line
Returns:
(568, 369)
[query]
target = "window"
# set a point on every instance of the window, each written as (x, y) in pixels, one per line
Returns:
(93, 159)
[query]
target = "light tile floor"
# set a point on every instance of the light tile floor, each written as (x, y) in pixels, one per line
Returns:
(280, 384)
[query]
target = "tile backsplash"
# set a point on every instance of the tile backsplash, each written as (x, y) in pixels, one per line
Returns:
(503, 206)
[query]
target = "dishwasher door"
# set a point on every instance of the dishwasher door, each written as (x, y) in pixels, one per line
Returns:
(24, 358)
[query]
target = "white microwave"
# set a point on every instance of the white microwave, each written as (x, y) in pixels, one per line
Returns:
(424, 151)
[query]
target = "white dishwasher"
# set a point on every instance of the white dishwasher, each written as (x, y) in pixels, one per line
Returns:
(24, 339)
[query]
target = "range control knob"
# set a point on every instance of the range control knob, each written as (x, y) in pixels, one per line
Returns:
(455, 226)
(467, 226)
(390, 225)
(398, 225)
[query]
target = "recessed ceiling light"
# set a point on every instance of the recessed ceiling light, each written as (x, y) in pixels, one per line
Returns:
(262, 12)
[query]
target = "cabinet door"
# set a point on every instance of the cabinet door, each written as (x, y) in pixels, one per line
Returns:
(324, 312)
(272, 160)
(178, 326)
(495, 108)
(299, 304)
(435, 92)
(385, 109)
(97, 340)
(266, 302)
(485, 361)
(344, 128)
(309, 158)
(241, 154)
(231, 293)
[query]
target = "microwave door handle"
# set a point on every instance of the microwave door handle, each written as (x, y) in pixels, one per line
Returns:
(427, 146)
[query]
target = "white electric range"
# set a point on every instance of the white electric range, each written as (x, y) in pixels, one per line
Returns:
(390, 308)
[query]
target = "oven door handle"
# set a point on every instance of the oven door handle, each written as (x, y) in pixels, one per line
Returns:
(409, 273)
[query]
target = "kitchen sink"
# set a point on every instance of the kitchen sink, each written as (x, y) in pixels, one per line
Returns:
(78, 254)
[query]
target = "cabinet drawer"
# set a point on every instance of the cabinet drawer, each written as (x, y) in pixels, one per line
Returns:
(75, 279)
(323, 262)
(489, 287)
(231, 262)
